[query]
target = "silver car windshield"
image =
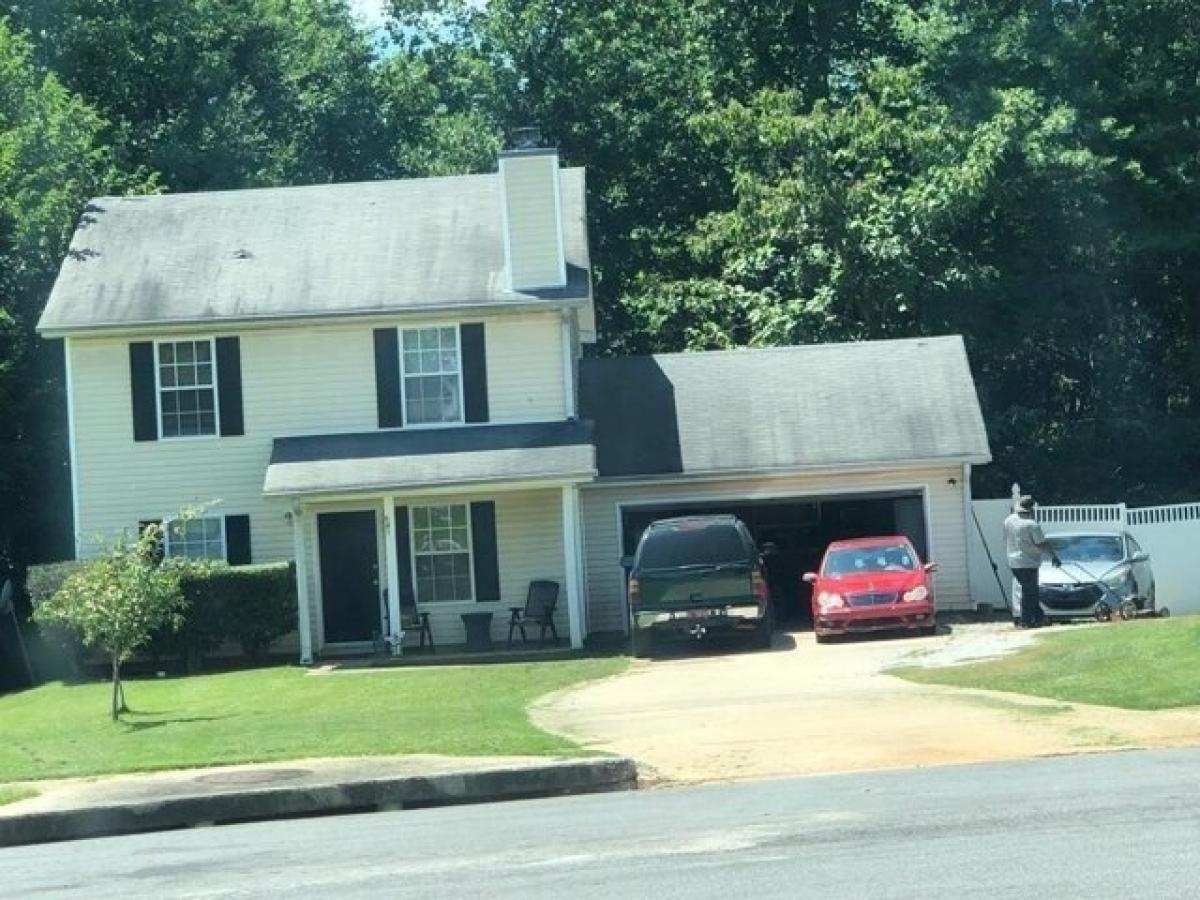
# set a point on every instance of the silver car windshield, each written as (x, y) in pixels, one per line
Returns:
(1089, 549)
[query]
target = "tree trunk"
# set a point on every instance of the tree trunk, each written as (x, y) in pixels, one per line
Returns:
(116, 691)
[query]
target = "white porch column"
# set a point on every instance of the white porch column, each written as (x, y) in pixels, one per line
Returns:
(574, 559)
(392, 556)
(303, 616)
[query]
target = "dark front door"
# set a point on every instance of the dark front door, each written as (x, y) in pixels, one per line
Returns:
(349, 575)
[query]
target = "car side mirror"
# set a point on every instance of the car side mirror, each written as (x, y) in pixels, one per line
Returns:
(1140, 557)
(810, 577)
(930, 567)
(626, 563)
(768, 549)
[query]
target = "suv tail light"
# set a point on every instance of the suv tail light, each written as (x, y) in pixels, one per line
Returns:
(635, 592)
(758, 585)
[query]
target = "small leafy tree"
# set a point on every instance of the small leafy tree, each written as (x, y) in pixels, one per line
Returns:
(118, 602)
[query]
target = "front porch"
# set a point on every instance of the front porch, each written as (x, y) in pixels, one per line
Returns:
(370, 569)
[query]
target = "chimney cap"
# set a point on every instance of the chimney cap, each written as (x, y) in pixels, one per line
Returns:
(526, 138)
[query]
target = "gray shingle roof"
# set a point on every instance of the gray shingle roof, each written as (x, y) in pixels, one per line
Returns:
(380, 246)
(790, 408)
(382, 460)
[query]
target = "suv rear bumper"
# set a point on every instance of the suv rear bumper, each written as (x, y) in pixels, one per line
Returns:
(742, 619)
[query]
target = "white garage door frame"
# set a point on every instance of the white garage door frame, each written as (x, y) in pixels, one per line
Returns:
(911, 488)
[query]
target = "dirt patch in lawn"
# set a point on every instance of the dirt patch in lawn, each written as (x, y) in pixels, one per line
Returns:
(807, 709)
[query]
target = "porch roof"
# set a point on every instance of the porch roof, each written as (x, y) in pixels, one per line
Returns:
(435, 457)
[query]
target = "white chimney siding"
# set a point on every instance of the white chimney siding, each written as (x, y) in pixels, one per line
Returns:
(531, 203)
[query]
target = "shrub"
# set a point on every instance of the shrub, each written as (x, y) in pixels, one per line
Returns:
(61, 650)
(256, 604)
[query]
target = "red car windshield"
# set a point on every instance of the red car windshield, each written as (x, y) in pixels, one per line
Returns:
(879, 558)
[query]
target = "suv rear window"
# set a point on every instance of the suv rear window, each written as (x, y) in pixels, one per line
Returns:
(692, 544)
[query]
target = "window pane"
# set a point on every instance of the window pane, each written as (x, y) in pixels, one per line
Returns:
(429, 361)
(421, 516)
(166, 376)
(204, 373)
(203, 351)
(212, 529)
(170, 402)
(449, 361)
(448, 338)
(166, 353)
(428, 339)
(439, 516)
(184, 352)
(412, 362)
(186, 375)
(458, 515)
(410, 339)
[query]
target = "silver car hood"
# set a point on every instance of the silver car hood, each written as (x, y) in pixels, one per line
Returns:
(1073, 572)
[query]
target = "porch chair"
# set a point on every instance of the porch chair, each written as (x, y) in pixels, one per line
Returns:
(538, 612)
(412, 619)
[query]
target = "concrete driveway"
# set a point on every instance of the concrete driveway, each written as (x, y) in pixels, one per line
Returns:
(804, 709)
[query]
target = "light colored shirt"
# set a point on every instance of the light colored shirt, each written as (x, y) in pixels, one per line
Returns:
(1023, 540)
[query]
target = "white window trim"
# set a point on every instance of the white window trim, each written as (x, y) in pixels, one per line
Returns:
(462, 407)
(166, 528)
(412, 557)
(158, 389)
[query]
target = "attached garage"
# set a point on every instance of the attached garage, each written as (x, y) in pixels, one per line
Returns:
(805, 444)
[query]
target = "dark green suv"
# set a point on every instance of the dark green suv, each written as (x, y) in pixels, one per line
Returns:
(698, 576)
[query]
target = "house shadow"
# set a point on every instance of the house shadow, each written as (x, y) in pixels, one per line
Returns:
(631, 403)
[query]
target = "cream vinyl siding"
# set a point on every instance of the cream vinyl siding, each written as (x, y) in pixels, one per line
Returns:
(534, 222)
(529, 546)
(295, 380)
(602, 547)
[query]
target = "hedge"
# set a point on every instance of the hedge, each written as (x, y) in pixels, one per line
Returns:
(61, 653)
(247, 605)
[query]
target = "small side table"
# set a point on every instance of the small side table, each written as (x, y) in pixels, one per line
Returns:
(479, 630)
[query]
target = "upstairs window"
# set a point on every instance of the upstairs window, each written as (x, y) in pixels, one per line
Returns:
(196, 538)
(431, 376)
(187, 396)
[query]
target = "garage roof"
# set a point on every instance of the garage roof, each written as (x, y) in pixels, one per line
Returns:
(876, 403)
(321, 250)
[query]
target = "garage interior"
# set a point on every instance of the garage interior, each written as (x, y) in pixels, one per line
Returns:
(800, 528)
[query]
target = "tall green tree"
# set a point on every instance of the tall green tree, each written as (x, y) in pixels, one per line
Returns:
(216, 94)
(52, 158)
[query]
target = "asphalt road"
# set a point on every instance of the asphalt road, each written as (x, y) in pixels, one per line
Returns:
(1116, 825)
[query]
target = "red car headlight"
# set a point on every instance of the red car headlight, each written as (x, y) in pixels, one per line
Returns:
(830, 600)
(916, 595)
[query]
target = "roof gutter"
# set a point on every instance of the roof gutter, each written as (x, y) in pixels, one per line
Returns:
(786, 471)
(285, 320)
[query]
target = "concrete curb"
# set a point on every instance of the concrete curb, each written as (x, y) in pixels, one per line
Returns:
(553, 779)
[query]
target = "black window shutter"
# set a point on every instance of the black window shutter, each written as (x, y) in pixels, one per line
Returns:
(229, 385)
(474, 372)
(404, 558)
(160, 550)
(486, 557)
(141, 380)
(387, 378)
(237, 540)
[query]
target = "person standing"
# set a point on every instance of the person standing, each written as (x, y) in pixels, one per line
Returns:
(1026, 547)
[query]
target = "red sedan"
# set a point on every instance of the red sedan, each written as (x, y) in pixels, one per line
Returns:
(872, 584)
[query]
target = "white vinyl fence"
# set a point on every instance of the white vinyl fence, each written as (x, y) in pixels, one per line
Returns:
(1170, 534)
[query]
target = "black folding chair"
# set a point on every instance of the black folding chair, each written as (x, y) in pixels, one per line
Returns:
(538, 612)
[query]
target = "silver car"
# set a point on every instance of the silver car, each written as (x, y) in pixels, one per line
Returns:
(1102, 573)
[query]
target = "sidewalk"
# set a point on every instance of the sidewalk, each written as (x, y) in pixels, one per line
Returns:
(125, 804)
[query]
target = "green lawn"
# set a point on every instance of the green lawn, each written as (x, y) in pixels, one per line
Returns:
(284, 713)
(11, 794)
(1134, 665)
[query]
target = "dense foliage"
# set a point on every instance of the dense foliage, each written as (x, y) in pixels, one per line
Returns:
(1026, 174)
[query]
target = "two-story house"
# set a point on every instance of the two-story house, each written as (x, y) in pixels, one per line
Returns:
(385, 382)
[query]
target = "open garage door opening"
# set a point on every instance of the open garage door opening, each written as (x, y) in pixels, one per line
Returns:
(801, 528)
